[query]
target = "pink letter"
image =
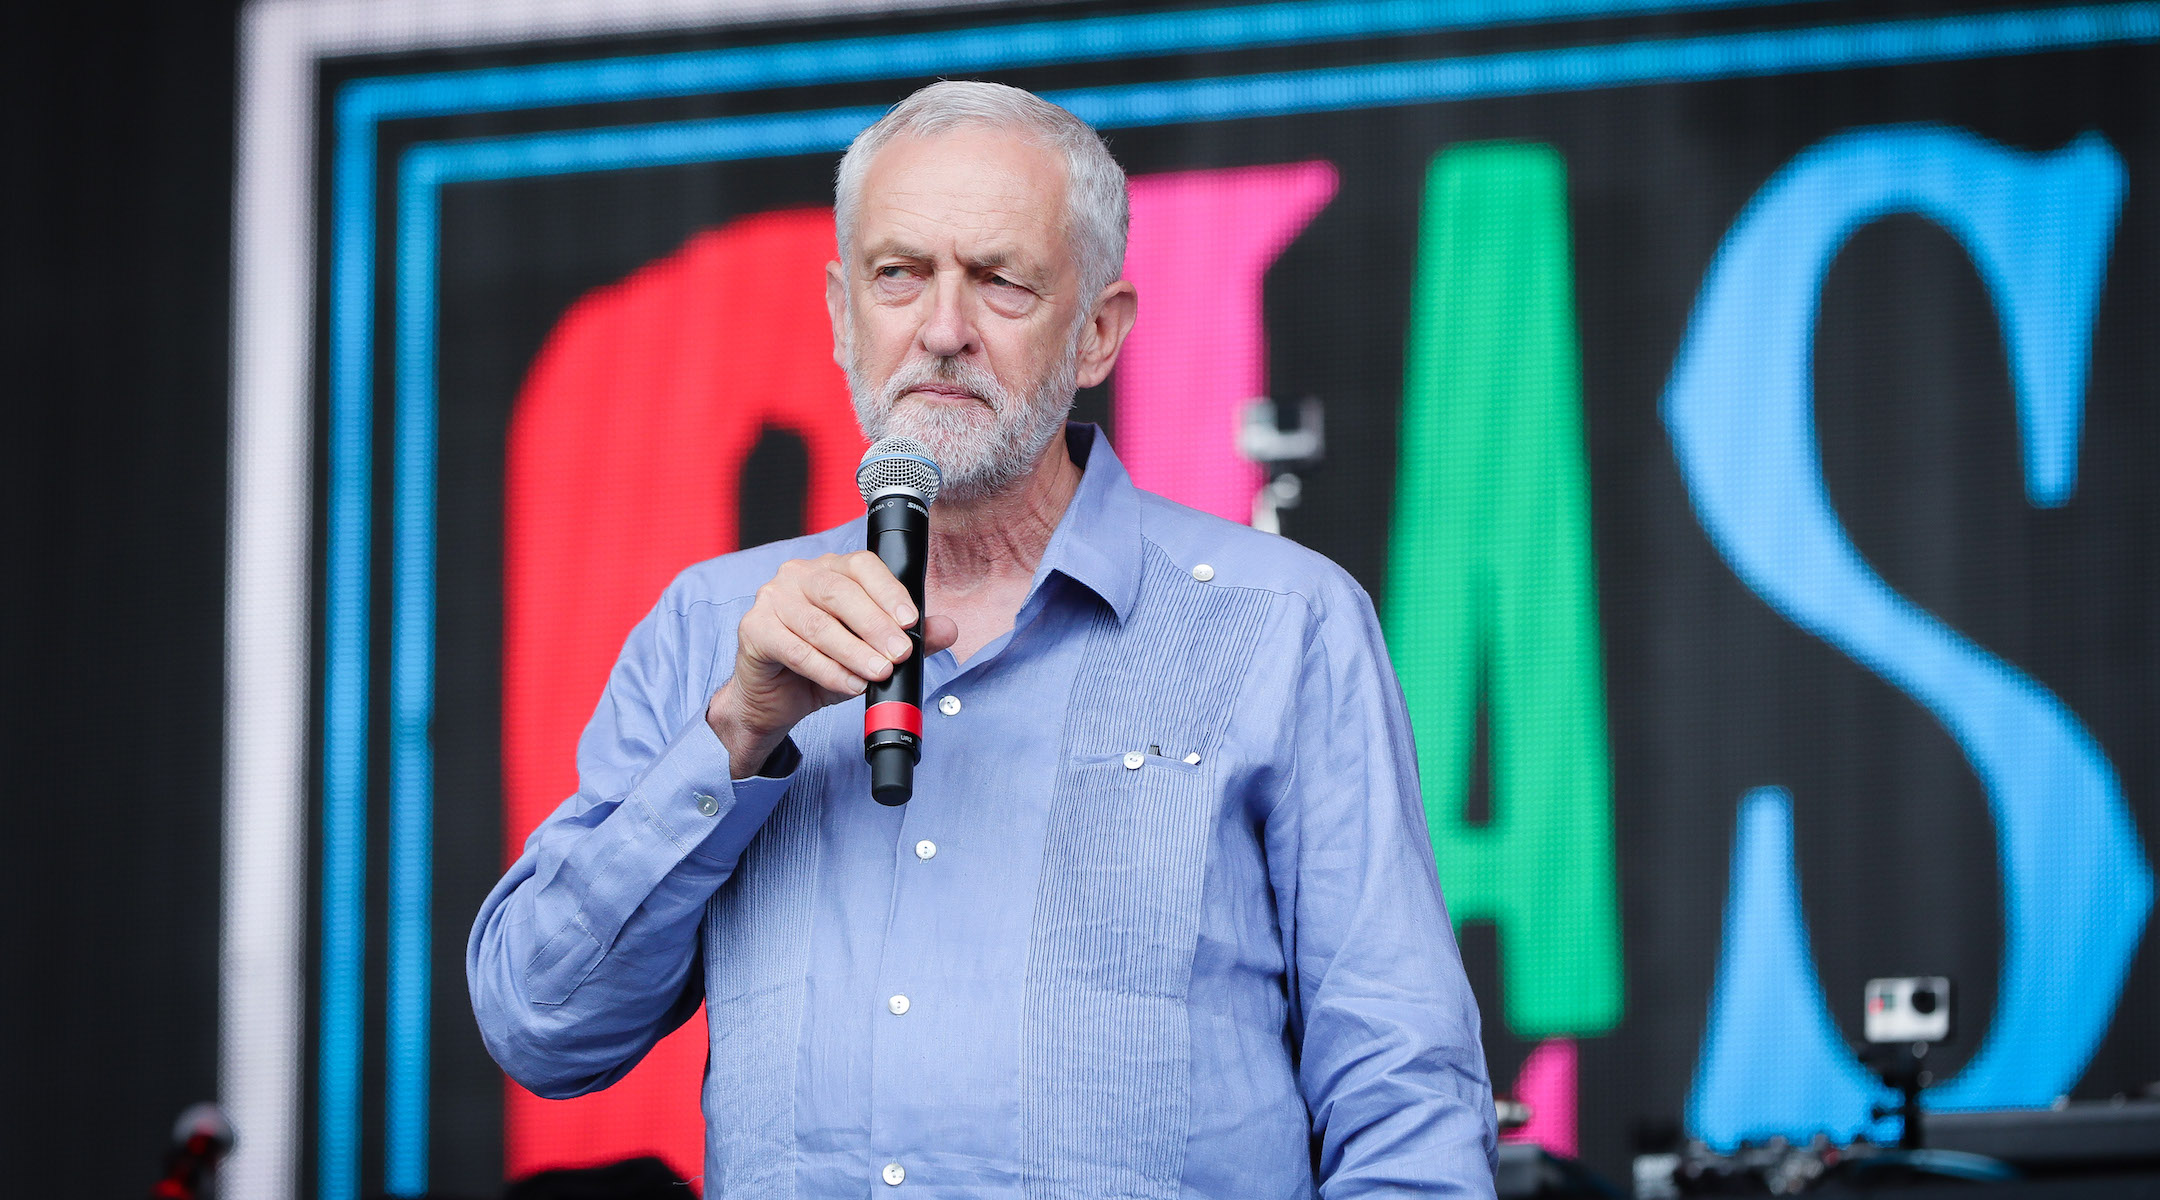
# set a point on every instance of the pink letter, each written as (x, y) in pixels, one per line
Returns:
(1201, 243)
(1547, 1085)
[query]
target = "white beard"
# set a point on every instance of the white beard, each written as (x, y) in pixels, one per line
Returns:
(981, 449)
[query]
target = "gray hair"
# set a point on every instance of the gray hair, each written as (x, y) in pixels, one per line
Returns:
(1097, 211)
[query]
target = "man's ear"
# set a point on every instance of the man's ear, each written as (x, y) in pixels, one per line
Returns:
(1103, 336)
(836, 300)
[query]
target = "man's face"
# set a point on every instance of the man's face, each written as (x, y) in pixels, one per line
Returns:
(959, 319)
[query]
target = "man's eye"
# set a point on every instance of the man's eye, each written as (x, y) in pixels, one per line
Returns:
(891, 271)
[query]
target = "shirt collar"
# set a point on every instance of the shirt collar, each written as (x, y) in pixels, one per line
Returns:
(1097, 543)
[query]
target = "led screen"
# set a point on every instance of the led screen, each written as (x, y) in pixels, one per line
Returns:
(1740, 415)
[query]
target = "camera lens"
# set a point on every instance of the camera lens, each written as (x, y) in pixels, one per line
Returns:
(1923, 1001)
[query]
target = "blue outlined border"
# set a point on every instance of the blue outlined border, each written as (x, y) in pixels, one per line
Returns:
(360, 107)
(426, 169)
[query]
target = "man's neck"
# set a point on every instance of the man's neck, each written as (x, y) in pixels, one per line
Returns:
(983, 553)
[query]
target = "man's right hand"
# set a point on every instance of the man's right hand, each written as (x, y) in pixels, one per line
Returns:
(821, 630)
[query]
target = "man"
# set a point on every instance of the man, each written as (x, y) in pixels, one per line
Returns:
(1161, 918)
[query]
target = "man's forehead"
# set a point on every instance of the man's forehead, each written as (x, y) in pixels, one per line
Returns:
(999, 188)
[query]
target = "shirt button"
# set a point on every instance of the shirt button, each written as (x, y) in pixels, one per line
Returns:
(1133, 759)
(898, 1005)
(895, 1174)
(1203, 572)
(926, 849)
(707, 805)
(950, 706)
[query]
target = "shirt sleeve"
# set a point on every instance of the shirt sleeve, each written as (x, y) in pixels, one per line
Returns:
(1390, 1061)
(583, 956)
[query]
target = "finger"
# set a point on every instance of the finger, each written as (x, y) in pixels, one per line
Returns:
(809, 620)
(806, 660)
(844, 595)
(877, 580)
(766, 646)
(939, 633)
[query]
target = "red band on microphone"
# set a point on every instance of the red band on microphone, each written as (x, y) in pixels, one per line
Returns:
(893, 714)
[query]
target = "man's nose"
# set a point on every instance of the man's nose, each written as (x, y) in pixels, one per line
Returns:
(948, 329)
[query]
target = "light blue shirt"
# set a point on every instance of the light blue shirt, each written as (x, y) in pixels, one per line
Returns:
(1160, 921)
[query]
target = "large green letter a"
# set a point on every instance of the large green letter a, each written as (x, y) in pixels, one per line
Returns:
(1491, 598)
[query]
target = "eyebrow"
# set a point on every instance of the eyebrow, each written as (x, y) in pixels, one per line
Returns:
(996, 260)
(891, 249)
(1011, 264)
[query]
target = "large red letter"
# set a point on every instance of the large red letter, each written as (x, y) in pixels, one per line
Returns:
(625, 455)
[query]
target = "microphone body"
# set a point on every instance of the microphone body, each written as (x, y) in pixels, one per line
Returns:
(899, 481)
(892, 713)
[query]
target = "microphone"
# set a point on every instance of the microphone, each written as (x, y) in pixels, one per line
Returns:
(899, 480)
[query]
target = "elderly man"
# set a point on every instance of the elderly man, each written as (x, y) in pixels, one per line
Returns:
(1161, 918)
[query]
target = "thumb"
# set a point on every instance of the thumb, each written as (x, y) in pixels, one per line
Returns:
(939, 633)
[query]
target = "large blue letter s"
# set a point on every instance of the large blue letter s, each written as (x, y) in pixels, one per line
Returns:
(1739, 409)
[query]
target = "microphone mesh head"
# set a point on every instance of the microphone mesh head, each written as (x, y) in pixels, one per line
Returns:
(898, 463)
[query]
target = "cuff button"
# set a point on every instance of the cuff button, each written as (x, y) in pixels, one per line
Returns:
(707, 805)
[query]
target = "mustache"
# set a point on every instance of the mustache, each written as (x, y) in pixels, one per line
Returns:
(950, 372)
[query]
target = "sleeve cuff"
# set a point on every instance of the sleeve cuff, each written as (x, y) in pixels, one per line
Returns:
(714, 818)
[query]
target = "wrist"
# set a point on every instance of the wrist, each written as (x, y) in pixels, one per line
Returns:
(748, 747)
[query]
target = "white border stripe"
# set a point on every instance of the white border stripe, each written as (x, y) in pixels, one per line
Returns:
(262, 966)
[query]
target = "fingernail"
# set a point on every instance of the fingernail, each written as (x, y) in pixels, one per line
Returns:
(904, 613)
(856, 685)
(897, 648)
